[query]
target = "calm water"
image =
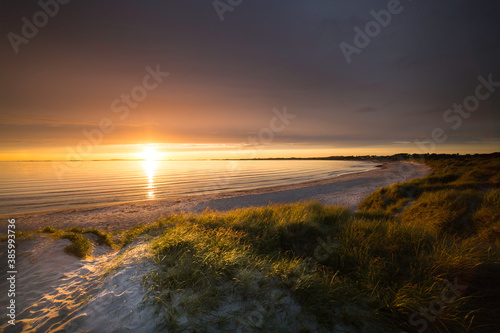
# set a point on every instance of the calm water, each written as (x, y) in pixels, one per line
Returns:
(34, 186)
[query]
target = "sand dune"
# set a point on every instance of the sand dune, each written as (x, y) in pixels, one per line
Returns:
(58, 292)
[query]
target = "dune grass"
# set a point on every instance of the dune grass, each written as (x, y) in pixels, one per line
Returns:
(380, 269)
(359, 270)
(459, 203)
(80, 245)
(420, 256)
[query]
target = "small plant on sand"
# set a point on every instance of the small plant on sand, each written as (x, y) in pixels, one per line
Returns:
(48, 230)
(80, 246)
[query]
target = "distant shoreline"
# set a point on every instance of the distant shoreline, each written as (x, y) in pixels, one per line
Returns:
(345, 190)
(370, 158)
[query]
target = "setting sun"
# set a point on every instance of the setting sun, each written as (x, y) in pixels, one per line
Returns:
(261, 166)
(150, 154)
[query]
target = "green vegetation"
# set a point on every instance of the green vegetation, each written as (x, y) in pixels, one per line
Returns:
(80, 245)
(417, 256)
(461, 197)
(381, 269)
(128, 236)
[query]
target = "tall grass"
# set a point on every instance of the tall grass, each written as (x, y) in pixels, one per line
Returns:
(378, 269)
(381, 269)
(376, 274)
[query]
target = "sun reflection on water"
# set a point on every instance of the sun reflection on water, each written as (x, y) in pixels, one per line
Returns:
(150, 167)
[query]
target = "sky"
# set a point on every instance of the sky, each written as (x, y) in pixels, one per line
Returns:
(281, 78)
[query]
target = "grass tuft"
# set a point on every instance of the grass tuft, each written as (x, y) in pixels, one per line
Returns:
(80, 246)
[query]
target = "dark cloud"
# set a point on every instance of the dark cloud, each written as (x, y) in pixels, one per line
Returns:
(229, 75)
(368, 109)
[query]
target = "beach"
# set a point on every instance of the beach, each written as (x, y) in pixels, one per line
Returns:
(245, 166)
(346, 190)
(60, 292)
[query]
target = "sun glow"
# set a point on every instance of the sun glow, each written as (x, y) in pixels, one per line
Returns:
(150, 154)
(150, 162)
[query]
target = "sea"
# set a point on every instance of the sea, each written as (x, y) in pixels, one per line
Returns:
(41, 186)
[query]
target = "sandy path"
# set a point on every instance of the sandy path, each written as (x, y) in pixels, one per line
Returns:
(57, 292)
(346, 190)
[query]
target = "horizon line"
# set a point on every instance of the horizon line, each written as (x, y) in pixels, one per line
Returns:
(255, 159)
